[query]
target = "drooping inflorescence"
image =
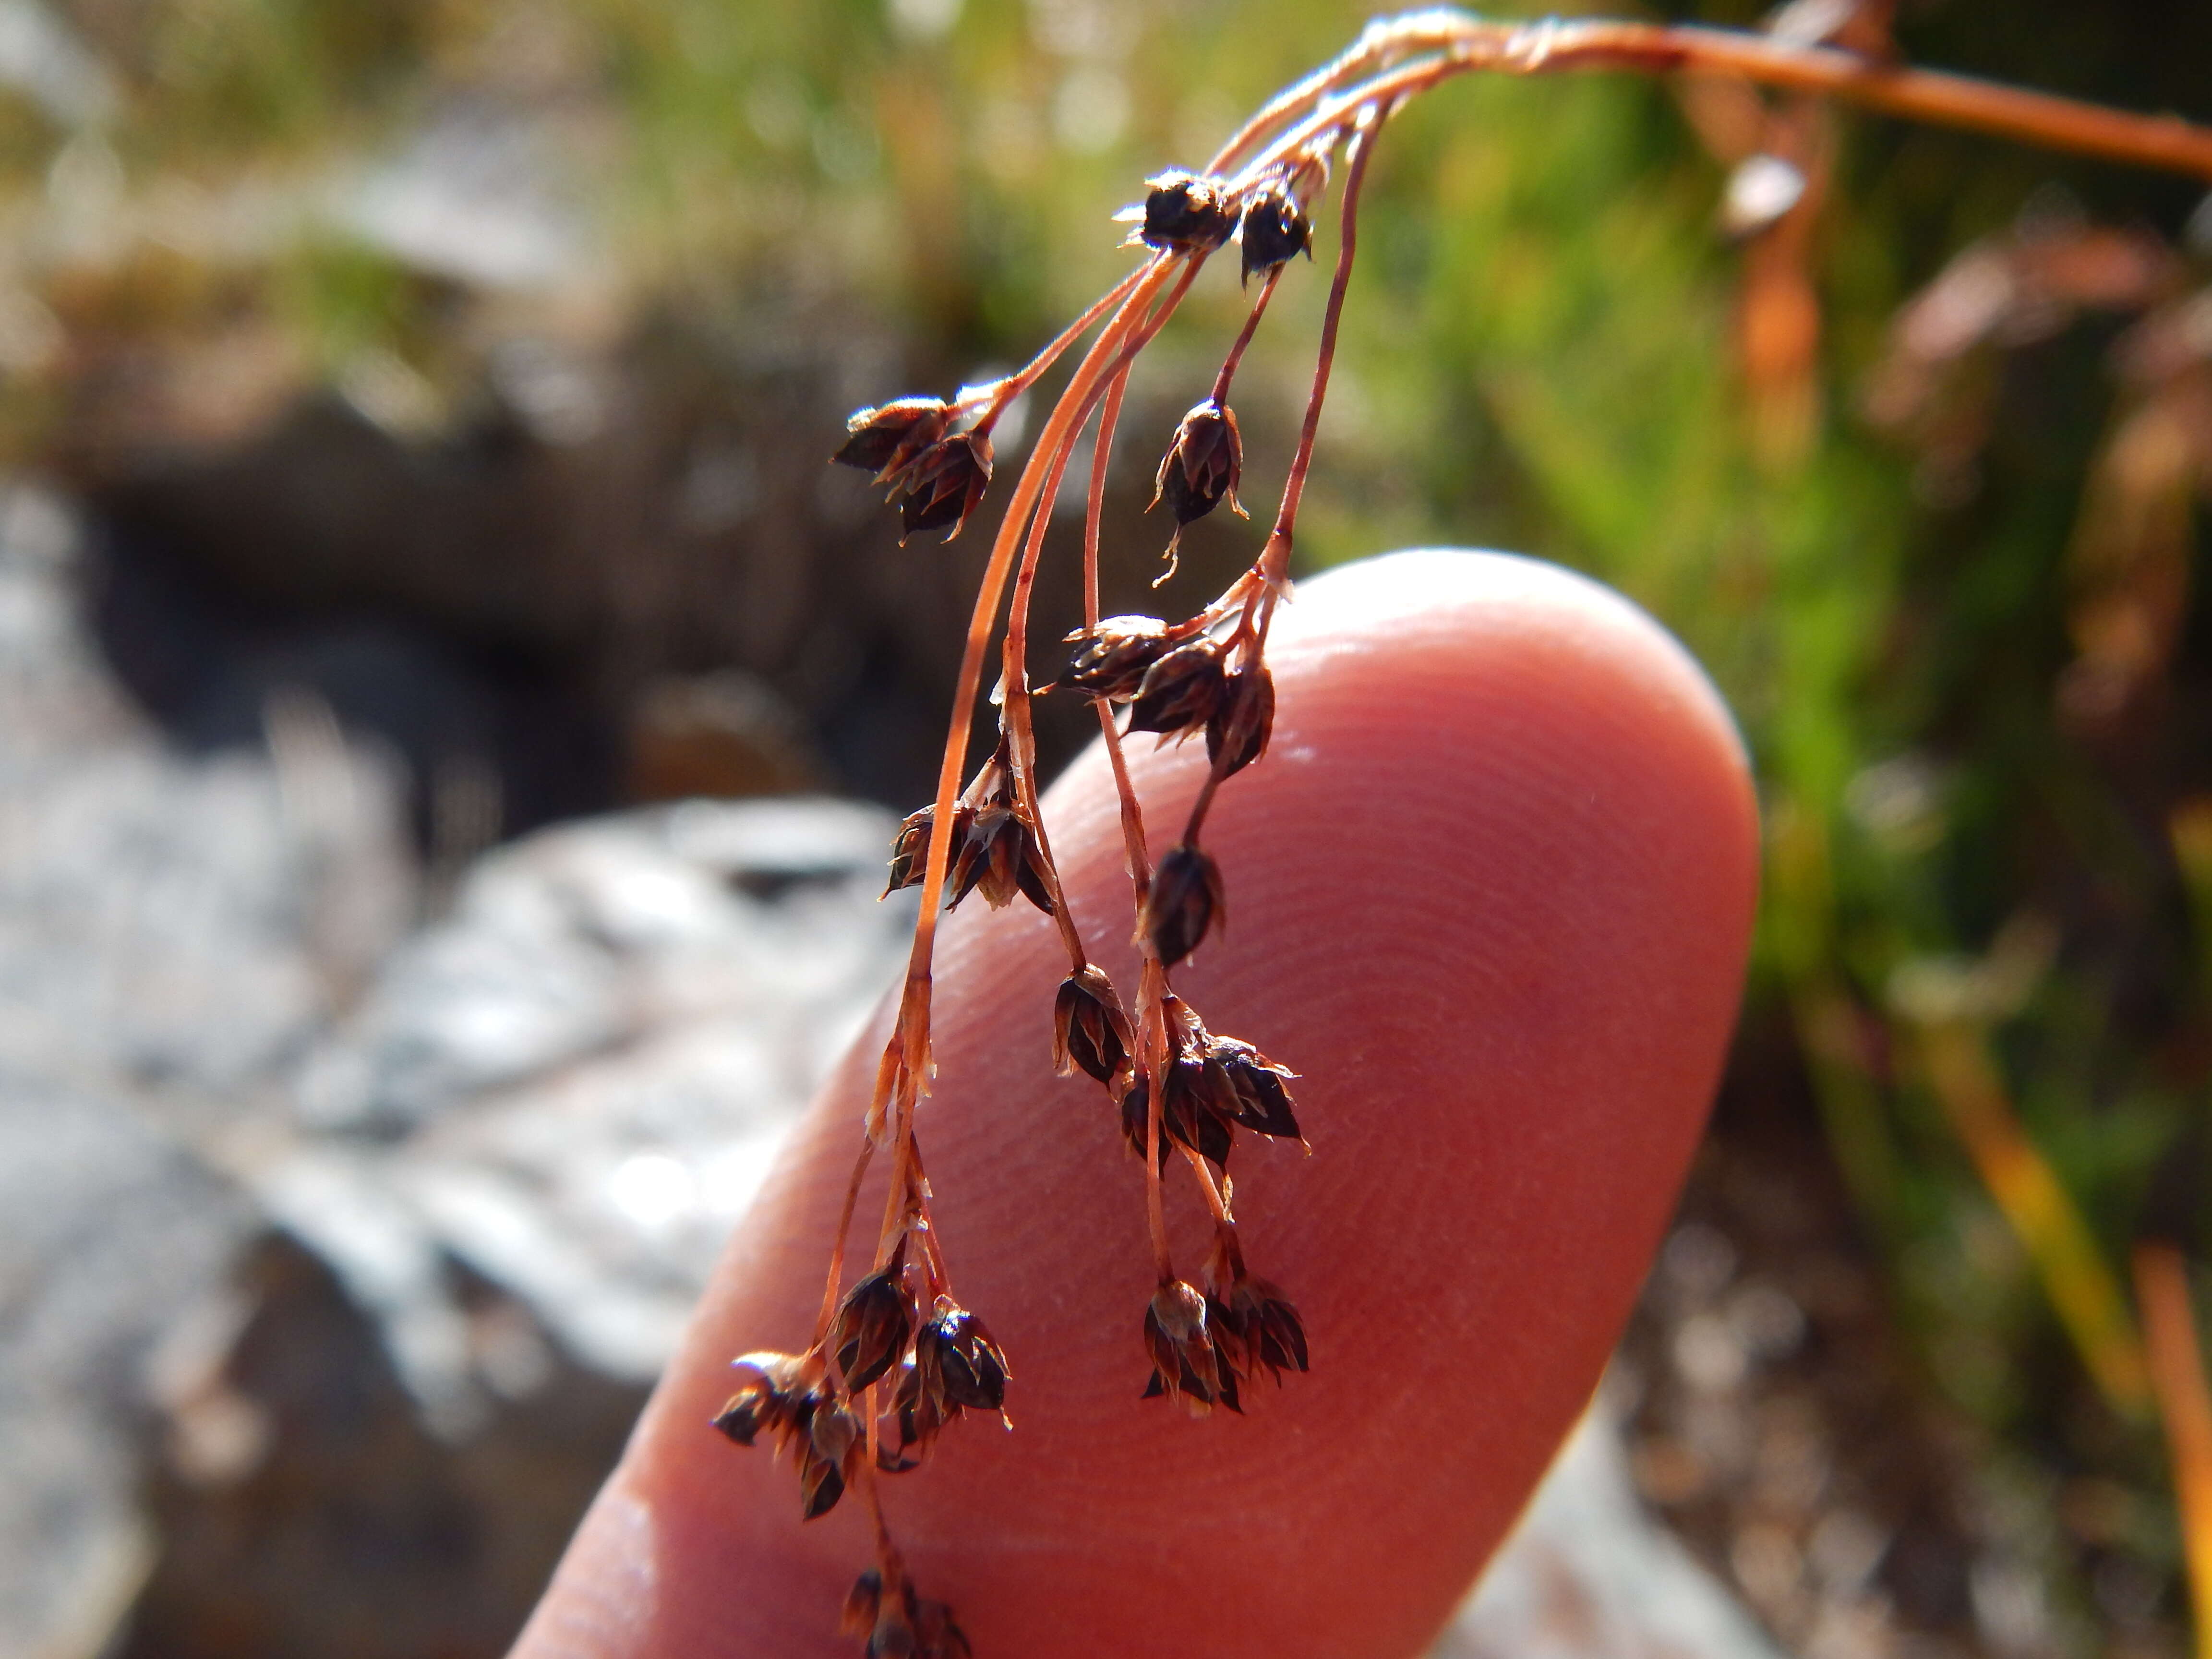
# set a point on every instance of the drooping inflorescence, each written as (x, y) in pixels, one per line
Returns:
(895, 1359)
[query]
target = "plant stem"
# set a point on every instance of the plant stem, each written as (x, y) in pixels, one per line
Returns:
(1275, 557)
(913, 1014)
(1003, 392)
(1467, 44)
(1015, 659)
(2184, 1402)
(1220, 392)
(1152, 995)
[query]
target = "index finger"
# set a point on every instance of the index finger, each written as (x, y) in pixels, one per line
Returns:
(1490, 894)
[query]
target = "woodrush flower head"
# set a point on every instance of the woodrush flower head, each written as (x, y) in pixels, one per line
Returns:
(1186, 1363)
(1237, 730)
(1180, 691)
(943, 483)
(788, 1397)
(1185, 213)
(955, 1366)
(910, 851)
(885, 439)
(829, 1453)
(1202, 466)
(769, 1388)
(995, 845)
(1210, 1087)
(1256, 1323)
(874, 1324)
(898, 1624)
(1273, 230)
(1089, 1030)
(1112, 658)
(957, 1357)
(1255, 1083)
(1002, 857)
(1184, 901)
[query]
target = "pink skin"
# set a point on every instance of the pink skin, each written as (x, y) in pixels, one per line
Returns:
(1490, 892)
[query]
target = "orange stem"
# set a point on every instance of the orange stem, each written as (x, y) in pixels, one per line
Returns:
(2184, 1402)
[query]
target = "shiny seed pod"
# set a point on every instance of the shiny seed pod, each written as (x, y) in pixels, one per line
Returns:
(1183, 903)
(1186, 1361)
(910, 851)
(1260, 1100)
(944, 485)
(1180, 693)
(829, 1442)
(1273, 230)
(1237, 731)
(1136, 1105)
(885, 440)
(969, 1370)
(872, 1325)
(1185, 213)
(1089, 1030)
(1112, 658)
(1204, 463)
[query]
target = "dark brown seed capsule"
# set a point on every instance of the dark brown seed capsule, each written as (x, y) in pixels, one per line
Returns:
(1182, 903)
(1186, 1363)
(1136, 1108)
(1191, 1112)
(821, 1483)
(872, 1325)
(1274, 229)
(1180, 693)
(1237, 731)
(920, 1416)
(1282, 1334)
(910, 852)
(1185, 213)
(1112, 658)
(1204, 463)
(956, 1356)
(943, 483)
(1258, 1101)
(1089, 1030)
(768, 1396)
(1005, 859)
(886, 440)
(830, 1444)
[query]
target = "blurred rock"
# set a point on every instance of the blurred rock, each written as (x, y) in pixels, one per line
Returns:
(170, 932)
(573, 1084)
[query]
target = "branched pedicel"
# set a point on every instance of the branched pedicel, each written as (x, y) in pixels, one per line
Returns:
(896, 1358)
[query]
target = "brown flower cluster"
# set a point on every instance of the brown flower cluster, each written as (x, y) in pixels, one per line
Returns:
(1206, 1347)
(995, 850)
(900, 1625)
(791, 1398)
(936, 475)
(937, 1364)
(897, 1358)
(1089, 1030)
(1203, 465)
(952, 1366)
(1177, 681)
(1212, 1087)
